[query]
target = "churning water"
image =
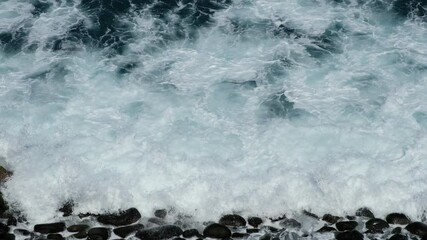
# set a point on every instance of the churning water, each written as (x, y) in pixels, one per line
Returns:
(213, 106)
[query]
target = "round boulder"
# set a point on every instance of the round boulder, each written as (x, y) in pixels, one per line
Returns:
(346, 225)
(254, 221)
(417, 228)
(376, 225)
(162, 232)
(232, 220)
(397, 218)
(121, 218)
(216, 230)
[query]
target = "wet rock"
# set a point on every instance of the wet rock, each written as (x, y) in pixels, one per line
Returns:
(330, 218)
(4, 174)
(365, 212)
(80, 235)
(398, 237)
(49, 228)
(217, 231)
(350, 217)
(326, 229)
(67, 208)
(417, 228)
(7, 236)
(376, 224)
(162, 232)
(78, 228)
(232, 220)
(98, 233)
(349, 235)
(307, 213)
(3, 205)
(160, 213)
(127, 230)
(252, 230)
(4, 228)
(191, 233)
(396, 230)
(121, 218)
(398, 218)
(12, 221)
(22, 232)
(290, 223)
(254, 221)
(55, 236)
(239, 235)
(346, 225)
(278, 218)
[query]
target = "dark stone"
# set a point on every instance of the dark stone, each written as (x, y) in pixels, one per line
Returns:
(305, 212)
(12, 221)
(67, 208)
(162, 232)
(326, 229)
(78, 228)
(269, 229)
(376, 224)
(3, 205)
(216, 230)
(346, 225)
(396, 230)
(4, 228)
(364, 212)
(417, 228)
(55, 236)
(127, 230)
(121, 218)
(398, 218)
(252, 230)
(7, 236)
(374, 231)
(290, 223)
(98, 233)
(178, 238)
(330, 218)
(80, 235)
(191, 233)
(398, 237)
(4, 174)
(278, 218)
(349, 235)
(160, 213)
(239, 235)
(350, 217)
(157, 221)
(49, 228)
(254, 221)
(232, 220)
(22, 232)
(84, 215)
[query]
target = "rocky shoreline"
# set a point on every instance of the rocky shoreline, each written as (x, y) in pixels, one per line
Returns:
(167, 224)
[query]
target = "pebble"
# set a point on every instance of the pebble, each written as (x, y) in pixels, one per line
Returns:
(121, 218)
(127, 230)
(49, 228)
(255, 221)
(162, 232)
(98, 233)
(349, 235)
(398, 218)
(216, 230)
(346, 225)
(232, 220)
(417, 228)
(191, 233)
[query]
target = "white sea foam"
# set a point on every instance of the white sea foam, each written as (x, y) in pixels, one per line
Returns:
(183, 130)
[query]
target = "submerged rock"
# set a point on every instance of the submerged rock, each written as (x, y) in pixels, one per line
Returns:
(330, 218)
(49, 228)
(216, 230)
(398, 218)
(346, 225)
(121, 218)
(78, 228)
(162, 232)
(232, 220)
(255, 221)
(349, 235)
(67, 208)
(160, 213)
(127, 230)
(417, 228)
(290, 223)
(365, 212)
